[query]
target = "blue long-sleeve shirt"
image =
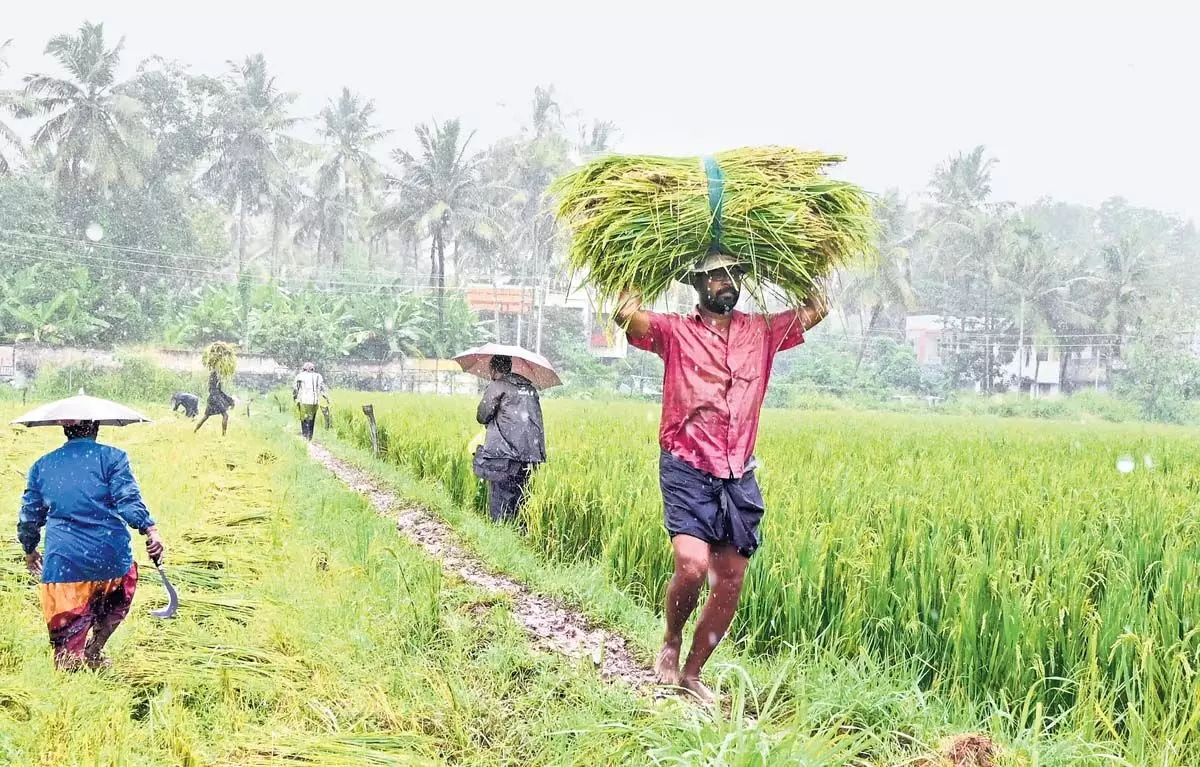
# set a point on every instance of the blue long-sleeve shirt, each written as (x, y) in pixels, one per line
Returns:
(85, 495)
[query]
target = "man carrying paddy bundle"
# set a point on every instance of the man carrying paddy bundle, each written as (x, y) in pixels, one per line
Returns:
(308, 391)
(717, 362)
(85, 495)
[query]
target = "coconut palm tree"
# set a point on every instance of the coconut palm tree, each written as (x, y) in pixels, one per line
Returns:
(547, 115)
(437, 190)
(886, 284)
(1041, 279)
(9, 140)
(93, 126)
(252, 129)
(596, 141)
(1127, 264)
(350, 173)
(963, 181)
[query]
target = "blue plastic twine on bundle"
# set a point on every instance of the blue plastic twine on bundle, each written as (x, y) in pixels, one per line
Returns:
(716, 194)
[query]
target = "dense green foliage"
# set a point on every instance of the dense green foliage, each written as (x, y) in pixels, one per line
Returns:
(136, 380)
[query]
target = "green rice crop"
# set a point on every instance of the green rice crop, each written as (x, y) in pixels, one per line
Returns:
(1009, 559)
(641, 222)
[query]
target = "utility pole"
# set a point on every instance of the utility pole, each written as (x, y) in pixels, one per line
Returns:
(496, 303)
(1021, 349)
(539, 290)
(541, 308)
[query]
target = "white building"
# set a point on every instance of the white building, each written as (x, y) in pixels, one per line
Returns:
(1030, 367)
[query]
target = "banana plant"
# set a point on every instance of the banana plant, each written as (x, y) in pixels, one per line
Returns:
(388, 326)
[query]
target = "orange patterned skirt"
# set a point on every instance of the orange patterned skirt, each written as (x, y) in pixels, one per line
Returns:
(72, 610)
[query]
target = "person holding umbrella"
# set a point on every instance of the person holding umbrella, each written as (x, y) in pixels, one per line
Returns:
(515, 441)
(85, 496)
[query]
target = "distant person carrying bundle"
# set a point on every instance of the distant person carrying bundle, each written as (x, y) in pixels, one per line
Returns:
(219, 403)
(308, 390)
(221, 360)
(189, 402)
(718, 361)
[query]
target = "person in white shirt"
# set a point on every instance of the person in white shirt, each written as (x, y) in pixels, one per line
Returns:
(308, 390)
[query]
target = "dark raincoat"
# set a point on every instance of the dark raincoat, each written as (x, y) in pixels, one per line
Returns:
(512, 413)
(514, 445)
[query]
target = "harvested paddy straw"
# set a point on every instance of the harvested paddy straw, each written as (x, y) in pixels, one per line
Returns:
(641, 222)
(221, 358)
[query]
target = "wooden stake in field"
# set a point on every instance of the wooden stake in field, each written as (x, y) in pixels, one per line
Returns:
(369, 412)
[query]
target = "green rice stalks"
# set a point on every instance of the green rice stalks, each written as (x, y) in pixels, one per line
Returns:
(641, 222)
(221, 358)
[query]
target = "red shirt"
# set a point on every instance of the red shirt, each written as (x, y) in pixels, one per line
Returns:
(713, 385)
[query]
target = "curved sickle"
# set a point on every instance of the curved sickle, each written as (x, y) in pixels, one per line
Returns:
(172, 597)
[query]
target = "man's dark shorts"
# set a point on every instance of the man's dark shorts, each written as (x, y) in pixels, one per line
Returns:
(710, 508)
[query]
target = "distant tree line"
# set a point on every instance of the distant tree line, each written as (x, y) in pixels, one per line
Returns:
(186, 207)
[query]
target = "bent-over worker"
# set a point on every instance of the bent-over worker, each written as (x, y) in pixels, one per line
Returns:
(85, 495)
(189, 402)
(717, 362)
(515, 442)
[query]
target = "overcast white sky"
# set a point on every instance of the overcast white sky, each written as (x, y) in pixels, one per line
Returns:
(1078, 100)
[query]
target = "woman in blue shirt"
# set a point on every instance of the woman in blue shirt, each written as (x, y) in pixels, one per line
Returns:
(85, 495)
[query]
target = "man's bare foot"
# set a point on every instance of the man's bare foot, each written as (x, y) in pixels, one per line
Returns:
(666, 668)
(97, 662)
(697, 690)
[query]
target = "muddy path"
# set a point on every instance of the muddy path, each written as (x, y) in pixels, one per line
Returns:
(550, 625)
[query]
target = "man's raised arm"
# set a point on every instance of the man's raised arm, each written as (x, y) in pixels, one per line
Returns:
(814, 309)
(787, 328)
(631, 316)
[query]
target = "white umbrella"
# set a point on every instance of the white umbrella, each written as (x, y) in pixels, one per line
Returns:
(525, 363)
(81, 408)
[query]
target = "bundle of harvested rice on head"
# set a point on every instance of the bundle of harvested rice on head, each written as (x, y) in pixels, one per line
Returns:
(221, 358)
(642, 222)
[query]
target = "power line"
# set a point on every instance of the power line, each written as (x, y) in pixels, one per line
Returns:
(141, 268)
(953, 341)
(111, 247)
(71, 258)
(174, 255)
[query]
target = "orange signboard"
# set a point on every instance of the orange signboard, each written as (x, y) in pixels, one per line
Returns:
(507, 300)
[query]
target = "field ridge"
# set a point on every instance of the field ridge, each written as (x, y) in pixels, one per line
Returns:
(549, 624)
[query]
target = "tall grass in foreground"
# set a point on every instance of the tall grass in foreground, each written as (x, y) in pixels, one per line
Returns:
(1011, 560)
